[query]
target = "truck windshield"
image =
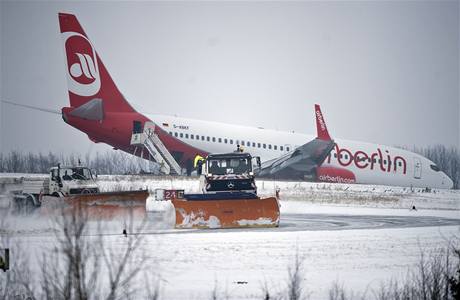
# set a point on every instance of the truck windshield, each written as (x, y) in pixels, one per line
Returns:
(75, 174)
(226, 166)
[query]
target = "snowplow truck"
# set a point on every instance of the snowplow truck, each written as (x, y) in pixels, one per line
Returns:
(229, 172)
(62, 182)
(229, 196)
(72, 186)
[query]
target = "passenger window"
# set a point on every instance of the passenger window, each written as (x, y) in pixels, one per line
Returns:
(264, 145)
(186, 135)
(399, 163)
(202, 137)
(231, 141)
(220, 140)
(225, 141)
(258, 145)
(287, 149)
(170, 133)
(248, 144)
(335, 155)
(208, 139)
(269, 146)
(181, 135)
(214, 139)
(191, 136)
(275, 147)
(281, 148)
(175, 134)
(253, 144)
(242, 143)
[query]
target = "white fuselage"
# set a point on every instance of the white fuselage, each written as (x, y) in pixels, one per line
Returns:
(370, 163)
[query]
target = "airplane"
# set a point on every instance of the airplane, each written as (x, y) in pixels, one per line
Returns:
(100, 110)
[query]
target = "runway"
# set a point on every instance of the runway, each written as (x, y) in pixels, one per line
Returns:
(161, 223)
(317, 222)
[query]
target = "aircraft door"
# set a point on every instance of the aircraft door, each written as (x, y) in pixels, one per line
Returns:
(417, 168)
(137, 127)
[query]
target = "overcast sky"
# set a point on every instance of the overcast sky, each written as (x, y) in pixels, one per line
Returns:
(383, 72)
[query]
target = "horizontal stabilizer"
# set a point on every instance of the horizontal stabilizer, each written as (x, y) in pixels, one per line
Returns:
(92, 110)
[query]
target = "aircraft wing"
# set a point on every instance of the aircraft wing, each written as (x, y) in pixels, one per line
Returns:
(302, 161)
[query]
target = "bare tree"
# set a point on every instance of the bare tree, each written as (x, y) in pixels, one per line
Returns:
(295, 290)
(81, 265)
(17, 282)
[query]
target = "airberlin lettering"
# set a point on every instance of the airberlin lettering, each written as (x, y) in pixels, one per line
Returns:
(337, 179)
(321, 121)
(376, 160)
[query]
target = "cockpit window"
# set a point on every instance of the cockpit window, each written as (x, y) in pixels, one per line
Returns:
(225, 166)
(435, 168)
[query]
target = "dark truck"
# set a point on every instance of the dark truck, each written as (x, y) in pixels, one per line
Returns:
(228, 172)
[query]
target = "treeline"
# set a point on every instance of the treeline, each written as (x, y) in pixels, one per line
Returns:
(109, 162)
(118, 162)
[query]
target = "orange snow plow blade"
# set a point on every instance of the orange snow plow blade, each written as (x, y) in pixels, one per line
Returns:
(101, 205)
(227, 213)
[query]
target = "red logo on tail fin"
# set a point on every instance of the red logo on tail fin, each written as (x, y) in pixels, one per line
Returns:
(82, 68)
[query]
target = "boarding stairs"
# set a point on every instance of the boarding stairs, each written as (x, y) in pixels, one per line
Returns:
(157, 150)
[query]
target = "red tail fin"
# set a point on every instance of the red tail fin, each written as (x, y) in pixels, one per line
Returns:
(321, 128)
(87, 76)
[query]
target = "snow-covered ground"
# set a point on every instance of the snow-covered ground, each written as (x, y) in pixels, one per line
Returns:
(359, 235)
(190, 263)
(312, 192)
(309, 192)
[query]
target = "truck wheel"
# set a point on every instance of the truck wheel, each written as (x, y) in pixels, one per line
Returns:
(29, 205)
(17, 205)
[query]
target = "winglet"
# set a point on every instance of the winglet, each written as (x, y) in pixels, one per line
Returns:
(321, 128)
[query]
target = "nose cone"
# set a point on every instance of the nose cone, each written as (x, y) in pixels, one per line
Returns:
(447, 182)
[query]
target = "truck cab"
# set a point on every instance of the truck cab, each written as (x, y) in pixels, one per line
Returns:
(228, 172)
(64, 181)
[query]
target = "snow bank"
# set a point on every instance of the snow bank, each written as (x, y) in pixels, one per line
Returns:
(310, 192)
